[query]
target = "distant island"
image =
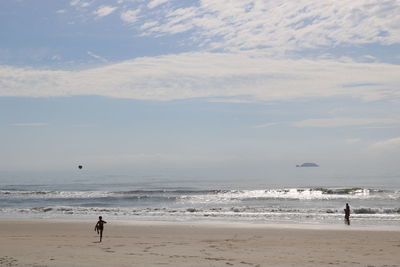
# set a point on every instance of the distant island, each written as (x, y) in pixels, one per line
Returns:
(308, 164)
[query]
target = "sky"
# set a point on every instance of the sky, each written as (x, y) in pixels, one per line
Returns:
(209, 88)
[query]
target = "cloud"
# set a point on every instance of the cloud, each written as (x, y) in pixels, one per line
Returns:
(240, 99)
(343, 122)
(155, 3)
(97, 57)
(280, 24)
(210, 75)
(104, 11)
(148, 25)
(389, 144)
(130, 16)
(276, 27)
(56, 57)
(79, 3)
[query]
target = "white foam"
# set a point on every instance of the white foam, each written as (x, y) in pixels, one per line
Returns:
(291, 193)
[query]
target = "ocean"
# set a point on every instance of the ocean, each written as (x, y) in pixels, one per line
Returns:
(310, 199)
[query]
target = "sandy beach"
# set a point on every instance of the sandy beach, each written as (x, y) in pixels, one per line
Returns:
(75, 243)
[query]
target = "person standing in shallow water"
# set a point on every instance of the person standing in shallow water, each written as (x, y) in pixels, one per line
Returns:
(347, 214)
(100, 227)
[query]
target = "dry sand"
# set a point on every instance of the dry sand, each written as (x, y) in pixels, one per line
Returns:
(74, 243)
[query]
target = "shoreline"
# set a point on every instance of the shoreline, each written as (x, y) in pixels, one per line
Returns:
(48, 242)
(212, 223)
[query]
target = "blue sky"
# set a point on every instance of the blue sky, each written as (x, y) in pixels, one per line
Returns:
(208, 88)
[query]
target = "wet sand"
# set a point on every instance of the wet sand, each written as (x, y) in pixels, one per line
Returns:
(75, 243)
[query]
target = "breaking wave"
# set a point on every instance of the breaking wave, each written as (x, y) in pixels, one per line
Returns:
(212, 195)
(211, 211)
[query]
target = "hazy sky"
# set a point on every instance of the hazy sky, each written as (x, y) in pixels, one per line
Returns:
(227, 87)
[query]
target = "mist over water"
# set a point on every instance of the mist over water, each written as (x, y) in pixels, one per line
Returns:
(280, 176)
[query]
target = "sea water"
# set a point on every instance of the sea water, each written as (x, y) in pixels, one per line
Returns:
(313, 199)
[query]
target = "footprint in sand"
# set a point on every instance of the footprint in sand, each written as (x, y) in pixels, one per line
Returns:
(217, 259)
(8, 261)
(246, 263)
(108, 250)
